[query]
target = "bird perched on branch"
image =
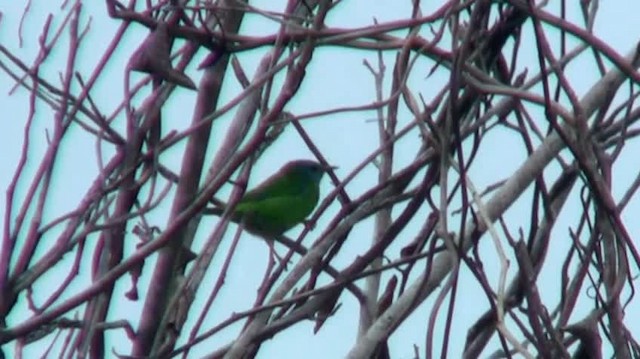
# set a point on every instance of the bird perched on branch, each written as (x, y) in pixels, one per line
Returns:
(281, 202)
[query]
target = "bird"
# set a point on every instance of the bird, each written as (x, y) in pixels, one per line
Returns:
(281, 202)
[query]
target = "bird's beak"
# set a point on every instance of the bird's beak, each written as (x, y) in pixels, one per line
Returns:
(329, 168)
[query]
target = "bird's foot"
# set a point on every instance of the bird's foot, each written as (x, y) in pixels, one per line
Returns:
(309, 225)
(273, 256)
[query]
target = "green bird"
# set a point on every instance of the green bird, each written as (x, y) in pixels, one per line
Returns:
(281, 202)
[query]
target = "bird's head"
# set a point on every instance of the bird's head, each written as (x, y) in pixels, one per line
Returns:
(306, 168)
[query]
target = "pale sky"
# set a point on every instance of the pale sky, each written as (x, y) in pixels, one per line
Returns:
(336, 78)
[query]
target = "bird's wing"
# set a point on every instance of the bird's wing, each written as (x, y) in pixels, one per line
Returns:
(275, 215)
(274, 186)
(284, 208)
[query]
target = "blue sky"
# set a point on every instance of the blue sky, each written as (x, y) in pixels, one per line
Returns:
(335, 78)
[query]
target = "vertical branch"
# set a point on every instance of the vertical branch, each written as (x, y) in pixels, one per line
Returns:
(152, 327)
(368, 310)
